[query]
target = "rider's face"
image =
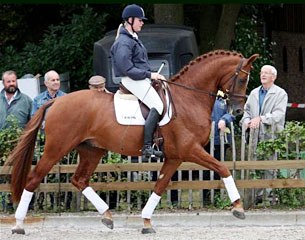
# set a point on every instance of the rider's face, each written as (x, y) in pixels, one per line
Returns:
(138, 24)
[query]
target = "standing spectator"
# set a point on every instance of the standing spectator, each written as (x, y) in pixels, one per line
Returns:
(222, 119)
(13, 101)
(52, 82)
(265, 110)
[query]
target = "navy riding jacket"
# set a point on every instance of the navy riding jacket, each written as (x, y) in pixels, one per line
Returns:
(129, 57)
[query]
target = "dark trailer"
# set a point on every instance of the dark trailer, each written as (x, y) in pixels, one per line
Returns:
(172, 44)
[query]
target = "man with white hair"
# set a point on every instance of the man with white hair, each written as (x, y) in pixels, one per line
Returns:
(266, 105)
(265, 110)
(52, 82)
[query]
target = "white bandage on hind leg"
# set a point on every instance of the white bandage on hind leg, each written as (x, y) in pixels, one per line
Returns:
(23, 206)
(150, 206)
(231, 188)
(98, 203)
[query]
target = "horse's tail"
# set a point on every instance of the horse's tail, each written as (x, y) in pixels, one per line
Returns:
(22, 155)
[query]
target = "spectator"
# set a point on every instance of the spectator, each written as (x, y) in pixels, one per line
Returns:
(265, 110)
(13, 101)
(98, 83)
(222, 119)
(52, 82)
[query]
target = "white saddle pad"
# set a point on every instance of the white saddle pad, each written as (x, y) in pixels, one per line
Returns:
(128, 112)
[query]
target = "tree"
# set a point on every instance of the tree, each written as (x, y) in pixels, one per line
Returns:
(217, 25)
(169, 14)
(226, 27)
(209, 19)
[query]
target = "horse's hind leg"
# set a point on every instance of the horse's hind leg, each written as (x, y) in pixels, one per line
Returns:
(89, 159)
(48, 160)
(168, 169)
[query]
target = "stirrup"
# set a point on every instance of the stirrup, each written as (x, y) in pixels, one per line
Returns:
(150, 152)
(156, 151)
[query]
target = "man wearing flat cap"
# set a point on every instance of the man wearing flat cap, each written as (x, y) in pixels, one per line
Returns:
(98, 83)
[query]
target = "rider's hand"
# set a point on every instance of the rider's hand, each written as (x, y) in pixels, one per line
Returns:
(157, 76)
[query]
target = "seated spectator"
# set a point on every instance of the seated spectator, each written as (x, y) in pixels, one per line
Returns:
(98, 83)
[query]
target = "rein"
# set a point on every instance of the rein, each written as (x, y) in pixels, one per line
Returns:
(212, 94)
(190, 88)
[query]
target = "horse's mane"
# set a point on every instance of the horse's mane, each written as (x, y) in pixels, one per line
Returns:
(205, 56)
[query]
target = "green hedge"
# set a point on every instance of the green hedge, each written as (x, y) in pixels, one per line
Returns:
(64, 48)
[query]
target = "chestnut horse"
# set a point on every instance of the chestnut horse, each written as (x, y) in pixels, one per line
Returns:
(85, 121)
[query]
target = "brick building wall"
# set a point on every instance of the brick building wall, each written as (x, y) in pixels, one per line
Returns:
(289, 54)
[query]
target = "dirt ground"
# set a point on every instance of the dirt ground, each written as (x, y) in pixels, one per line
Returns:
(168, 233)
(259, 225)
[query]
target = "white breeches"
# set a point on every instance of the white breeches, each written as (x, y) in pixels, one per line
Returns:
(143, 90)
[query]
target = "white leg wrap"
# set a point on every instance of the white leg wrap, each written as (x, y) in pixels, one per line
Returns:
(231, 188)
(95, 199)
(23, 206)
(150, 206)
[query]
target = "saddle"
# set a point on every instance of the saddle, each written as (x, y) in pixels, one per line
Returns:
(164, 93)
(160, 88)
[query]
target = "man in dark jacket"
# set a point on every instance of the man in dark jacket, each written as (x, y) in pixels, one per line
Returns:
(13, 102)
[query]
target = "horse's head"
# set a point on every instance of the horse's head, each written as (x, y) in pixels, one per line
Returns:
(235, 88)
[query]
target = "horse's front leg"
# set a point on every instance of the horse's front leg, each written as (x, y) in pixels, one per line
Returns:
(168, 169)
(201, 157)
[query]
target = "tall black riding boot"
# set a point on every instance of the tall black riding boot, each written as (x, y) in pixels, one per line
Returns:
(149, 129)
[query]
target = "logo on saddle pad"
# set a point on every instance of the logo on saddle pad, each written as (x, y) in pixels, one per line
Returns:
(128, 110)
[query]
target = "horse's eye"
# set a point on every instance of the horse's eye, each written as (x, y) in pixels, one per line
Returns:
(241, 80)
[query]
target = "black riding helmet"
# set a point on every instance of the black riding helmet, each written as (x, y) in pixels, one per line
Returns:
(133, 11)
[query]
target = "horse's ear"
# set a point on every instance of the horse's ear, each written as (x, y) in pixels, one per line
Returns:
(251, 59)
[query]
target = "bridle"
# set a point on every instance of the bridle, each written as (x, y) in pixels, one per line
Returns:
(228, 93)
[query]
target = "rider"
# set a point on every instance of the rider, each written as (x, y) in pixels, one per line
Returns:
(130, 61)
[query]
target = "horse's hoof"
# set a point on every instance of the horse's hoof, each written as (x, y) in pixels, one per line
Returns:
(18, 231)
(239, 214)
(148, 230)
(108, 222)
